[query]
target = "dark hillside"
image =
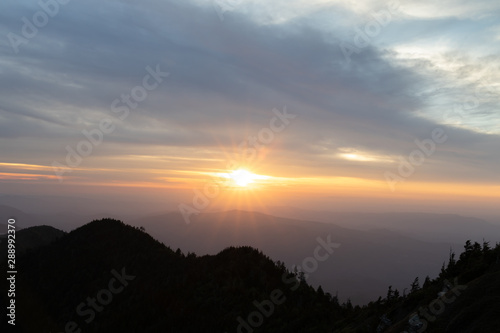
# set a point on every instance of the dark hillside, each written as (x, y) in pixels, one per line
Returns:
(164, 290)
(110, 277)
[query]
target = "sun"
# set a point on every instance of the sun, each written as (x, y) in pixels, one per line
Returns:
(242, 177)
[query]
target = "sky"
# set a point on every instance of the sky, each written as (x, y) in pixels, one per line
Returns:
(342, 105)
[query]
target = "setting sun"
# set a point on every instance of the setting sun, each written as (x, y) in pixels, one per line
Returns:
(242, 177)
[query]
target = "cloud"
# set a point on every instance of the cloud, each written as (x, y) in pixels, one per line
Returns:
(226, 77)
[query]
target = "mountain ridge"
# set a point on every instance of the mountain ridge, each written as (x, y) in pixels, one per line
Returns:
(239, 289)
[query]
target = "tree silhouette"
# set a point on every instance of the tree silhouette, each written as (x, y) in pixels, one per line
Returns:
(415, 286)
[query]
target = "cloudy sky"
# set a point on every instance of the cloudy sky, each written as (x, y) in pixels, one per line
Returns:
(380, 102)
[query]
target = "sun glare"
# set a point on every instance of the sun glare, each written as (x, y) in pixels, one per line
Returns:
(242, 177)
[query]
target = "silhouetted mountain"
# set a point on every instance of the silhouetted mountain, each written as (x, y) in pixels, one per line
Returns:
(381, 248)
(65, 221)
(464, 298)
(33, 237)
(360, 268)
(109, 277)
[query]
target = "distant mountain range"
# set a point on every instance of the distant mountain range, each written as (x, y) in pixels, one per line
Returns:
(63, 221)
(376, 249)
(361, 268)
(33, 237)
(427, 227)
